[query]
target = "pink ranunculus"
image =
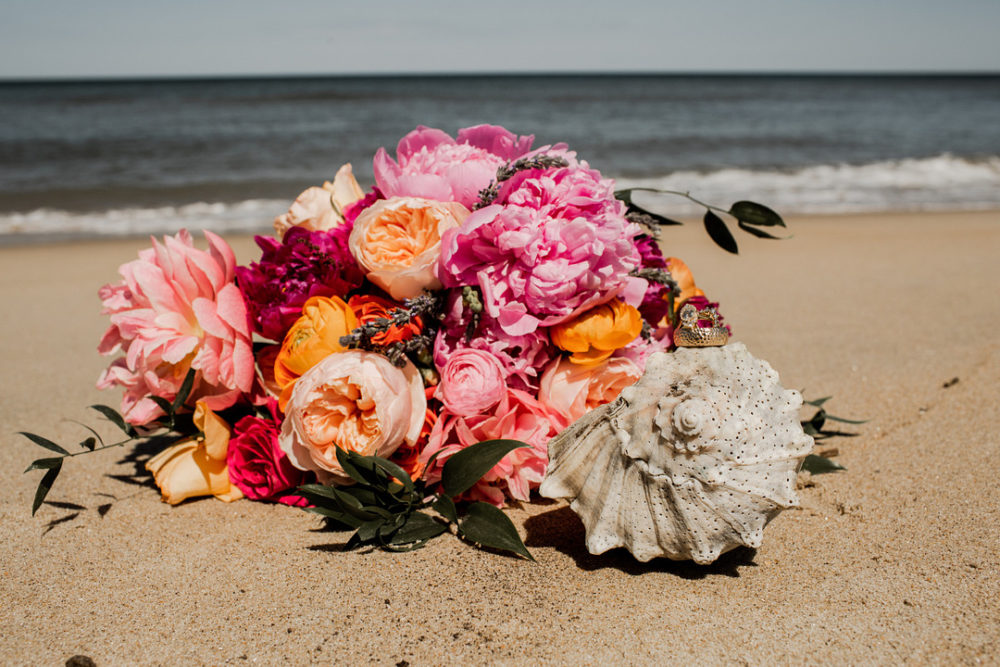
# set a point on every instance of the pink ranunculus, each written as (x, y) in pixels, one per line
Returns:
(523, 357)
(398, 242)
(430, 164)
(177, 308)
(535, 269)
(471, 382)
(258, 466)
(570, 390)
(352, 400)
(517, 416)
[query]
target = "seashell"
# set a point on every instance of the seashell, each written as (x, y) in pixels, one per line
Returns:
(691, 461)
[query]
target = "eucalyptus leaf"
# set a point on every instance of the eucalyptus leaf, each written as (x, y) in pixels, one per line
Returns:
(183, 392)
(45, 464)
(719, 233)
(89, 444)
(44, 486)
(445, 506)
(466, 467)
(488, 526)
(115, 418)
(759, 233)
(755, 214)
(818, 465)
(44, 442)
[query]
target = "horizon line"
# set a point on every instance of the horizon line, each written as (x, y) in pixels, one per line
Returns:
(133, 78)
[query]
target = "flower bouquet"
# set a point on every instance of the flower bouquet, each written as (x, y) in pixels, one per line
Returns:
(398, 361)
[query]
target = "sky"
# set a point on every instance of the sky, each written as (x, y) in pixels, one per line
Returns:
(138, 38)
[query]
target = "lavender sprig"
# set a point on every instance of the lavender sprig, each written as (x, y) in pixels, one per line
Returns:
(426, 305)
(506, 171)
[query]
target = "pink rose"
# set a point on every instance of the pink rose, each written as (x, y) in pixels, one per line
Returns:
(177, 308)
(258, 466)
(352, 400)
(429, 163)
(471, 382)
(517, 416)
(398, 242)
(570, 390)
(321, 209)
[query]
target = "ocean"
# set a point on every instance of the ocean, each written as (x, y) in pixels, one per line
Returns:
(121, 158)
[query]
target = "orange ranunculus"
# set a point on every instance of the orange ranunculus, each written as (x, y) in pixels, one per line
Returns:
(196, 466)
(398, 242)
(680, 272)
(592, 336)
(368, 307)
(312, 338)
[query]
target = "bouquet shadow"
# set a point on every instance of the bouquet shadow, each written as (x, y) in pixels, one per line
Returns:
(562, 530)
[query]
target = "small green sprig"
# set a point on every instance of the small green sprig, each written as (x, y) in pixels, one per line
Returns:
(750, 217)
(816, 426)
(172, 423)
(389, 510)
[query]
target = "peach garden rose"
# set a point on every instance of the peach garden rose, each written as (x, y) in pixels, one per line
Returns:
(398, 242)
(352, 400)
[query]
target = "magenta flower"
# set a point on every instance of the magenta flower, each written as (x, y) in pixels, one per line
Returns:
(654, 305)
(177, 308)
(303, 265)
(432, 165)
(535, 269)
(258, 466)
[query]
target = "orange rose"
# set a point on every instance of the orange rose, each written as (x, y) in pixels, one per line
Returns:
(320, 209)
(312, 338)
(680, 272)
(593, 336)
(368, 307)
(398, 242)
(196, 466)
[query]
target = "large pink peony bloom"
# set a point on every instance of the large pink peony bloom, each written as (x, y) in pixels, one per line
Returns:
(517, 416)
(567, 192)
(535, 269)
(432, 165)
(177, 308)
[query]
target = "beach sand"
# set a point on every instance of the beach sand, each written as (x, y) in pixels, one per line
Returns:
(895, 559)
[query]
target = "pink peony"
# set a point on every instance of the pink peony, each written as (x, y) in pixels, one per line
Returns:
(177, 308)
(257, 466)
(567, 192)
(570, 390)
(535, 269)
(522, 357)
(430, 164)
(471, 382)
(517, 416)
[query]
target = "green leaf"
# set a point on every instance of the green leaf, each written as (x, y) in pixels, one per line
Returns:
(89, 444)
(165, 405)
(755, 214)
(394, 471)
(445, 506)
(323, 495)
(466, 467)
(183, 393)
(819, 401)
(44, 442)
(719, 233)
(44, 486)
(846, 421)
(335, 516)
(45, 464)
(419, 527)
(819, 465)
(490, 527)
(759, 233)
(115, 418)
(359, 468)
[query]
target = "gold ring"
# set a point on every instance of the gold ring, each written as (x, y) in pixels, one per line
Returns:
(689, 334)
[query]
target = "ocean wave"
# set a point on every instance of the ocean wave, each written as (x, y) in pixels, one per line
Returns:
(943, 182)
(252, 215)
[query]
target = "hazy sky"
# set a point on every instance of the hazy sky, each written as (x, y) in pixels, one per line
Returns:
(70, 38)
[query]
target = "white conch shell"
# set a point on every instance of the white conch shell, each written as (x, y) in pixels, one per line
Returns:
(690, 462)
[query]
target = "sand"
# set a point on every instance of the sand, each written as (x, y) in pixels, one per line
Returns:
(894, 560)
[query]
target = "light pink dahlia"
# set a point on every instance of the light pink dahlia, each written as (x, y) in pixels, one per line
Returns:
(432, 165)
(535, 269)
(177, 308)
